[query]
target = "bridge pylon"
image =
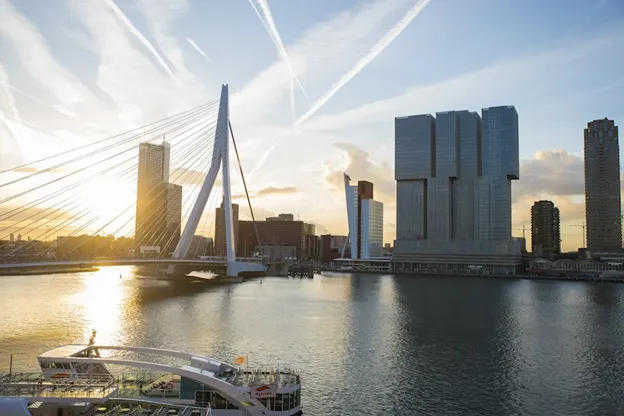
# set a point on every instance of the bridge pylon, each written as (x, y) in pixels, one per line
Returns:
(220, 159)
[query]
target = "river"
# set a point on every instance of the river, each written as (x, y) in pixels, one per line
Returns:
(366, 344)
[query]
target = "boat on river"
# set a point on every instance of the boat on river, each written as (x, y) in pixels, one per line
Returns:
(90, 380)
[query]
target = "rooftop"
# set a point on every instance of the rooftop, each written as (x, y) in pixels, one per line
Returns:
(65, 351)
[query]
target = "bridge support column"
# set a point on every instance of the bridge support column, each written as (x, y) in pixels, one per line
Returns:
(220, 159)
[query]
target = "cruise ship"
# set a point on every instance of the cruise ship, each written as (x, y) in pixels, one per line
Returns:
(79, 380)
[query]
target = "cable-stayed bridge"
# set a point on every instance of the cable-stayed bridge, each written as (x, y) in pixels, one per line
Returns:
(172, 165)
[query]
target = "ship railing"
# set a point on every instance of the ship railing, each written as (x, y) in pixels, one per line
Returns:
(283, 376)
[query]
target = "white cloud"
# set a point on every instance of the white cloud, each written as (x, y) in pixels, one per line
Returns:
(138, 35)
(266, 17)
(378, 48)
(326, 47)
(470, 90)
(37, 60)
(160, 15)
(135, 85)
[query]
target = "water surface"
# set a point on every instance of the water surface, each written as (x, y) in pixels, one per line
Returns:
(366, 344)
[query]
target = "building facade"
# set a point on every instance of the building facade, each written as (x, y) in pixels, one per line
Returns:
(545, 230)
(297, 234)
(159, 203)
(453, 175)
(332, 247)
(220, 246)
(603, 203)
(365, 220)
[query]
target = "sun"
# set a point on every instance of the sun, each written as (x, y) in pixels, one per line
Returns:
(107, 199)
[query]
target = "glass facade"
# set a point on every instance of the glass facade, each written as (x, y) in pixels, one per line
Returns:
(454, 176)
(371, 239)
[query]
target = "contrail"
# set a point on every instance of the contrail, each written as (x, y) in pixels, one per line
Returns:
(4, 81)
(269, 24)
(262, 160)
(137, 33)
(196, 47)
(362, 63)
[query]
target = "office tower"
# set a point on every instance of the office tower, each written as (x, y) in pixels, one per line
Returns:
(172, 225)
(545, 230)
(603, 202)
(12, 237)
(220, 246)
(158, 208)
(453, 175)
(365, 218)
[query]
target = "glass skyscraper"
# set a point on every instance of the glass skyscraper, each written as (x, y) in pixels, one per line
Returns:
(453, 175)
(365, 218)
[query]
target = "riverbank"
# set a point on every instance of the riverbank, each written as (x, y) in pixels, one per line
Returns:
(44, 270)
(578, 278)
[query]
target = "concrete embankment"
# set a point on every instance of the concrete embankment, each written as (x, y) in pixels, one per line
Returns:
(45, 270)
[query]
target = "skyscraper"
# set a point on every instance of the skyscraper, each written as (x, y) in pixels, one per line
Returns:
(220, 246)
(603, 202)
(454, 174)
(159, 203)
(545, 230)
(365, 218)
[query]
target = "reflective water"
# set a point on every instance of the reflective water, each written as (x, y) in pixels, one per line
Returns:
(367, 344)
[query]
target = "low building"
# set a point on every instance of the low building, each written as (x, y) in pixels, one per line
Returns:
(282, 232)
(277, 253)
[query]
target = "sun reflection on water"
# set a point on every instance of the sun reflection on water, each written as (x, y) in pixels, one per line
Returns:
(101, 303)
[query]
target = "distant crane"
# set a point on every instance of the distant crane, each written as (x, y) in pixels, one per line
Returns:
(584, 235)
(523, 231)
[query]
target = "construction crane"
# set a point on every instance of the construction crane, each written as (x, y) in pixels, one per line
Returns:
(523, 231)
(584, 236)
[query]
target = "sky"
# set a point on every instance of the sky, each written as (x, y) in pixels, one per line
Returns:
(315, 86)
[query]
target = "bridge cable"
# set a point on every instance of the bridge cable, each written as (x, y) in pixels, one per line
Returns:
(185, 179)
(131, 206)
(94, 219)
(106, 139)
(108, 147)
(119, 175)
(253, 218)
(63, 177)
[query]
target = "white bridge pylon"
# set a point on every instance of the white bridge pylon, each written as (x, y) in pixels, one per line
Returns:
(220, 159)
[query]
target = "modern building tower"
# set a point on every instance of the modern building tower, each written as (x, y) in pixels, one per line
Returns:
(453, 175)
(159, 203)
(365, 217)
(603, 204)
(220, 245)
(545, 230)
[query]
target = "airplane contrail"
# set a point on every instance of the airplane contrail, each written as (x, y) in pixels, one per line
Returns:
(137, 33)
(269, 24)
(4, 81)
(362, 63)
(196, 47)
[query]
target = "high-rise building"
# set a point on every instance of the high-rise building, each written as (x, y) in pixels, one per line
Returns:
(220, 245)
(603, 204)
(159, 203)
(453, 175)
(365, 220)
(545, 230)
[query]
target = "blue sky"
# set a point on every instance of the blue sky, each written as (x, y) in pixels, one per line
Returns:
(559, 62)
